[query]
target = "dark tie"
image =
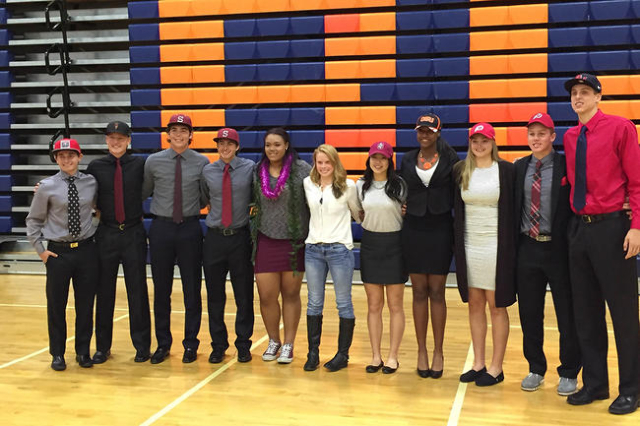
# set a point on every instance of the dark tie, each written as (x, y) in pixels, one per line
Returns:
(534, 231)
(117, 193)
(227, 202)
(580, 187)
(177, 192)
(74, 209)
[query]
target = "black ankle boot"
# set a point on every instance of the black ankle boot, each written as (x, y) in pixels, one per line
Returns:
(314, 331)
(345, 337)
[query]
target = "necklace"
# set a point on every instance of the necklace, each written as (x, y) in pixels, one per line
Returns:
(280, 183)
(427, 164)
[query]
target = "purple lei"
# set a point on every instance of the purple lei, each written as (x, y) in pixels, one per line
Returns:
(282, 179)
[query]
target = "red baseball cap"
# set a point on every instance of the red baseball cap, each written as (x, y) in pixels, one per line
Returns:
(228, 133)
(67, 145)
(381, 147)
(485, 129)
(542, 118)
(183, 119)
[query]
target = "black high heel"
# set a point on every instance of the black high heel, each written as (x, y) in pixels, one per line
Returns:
(374, 368)
(389, 370)
(424, 373)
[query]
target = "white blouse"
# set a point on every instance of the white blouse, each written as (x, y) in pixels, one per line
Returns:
(425, 175)
(381, 213)
(330, 217)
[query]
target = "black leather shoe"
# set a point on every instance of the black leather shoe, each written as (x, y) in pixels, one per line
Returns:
(58, 363)
(374, 368)
(216, 356)
(244, 355)
(435, 374)
(424, 373)
(586, 396)
(141, 357)
(101, 357)
(389, 370)
(624, 404)
(84, 361)
(486, 379)
(472, 375)
(190, 355)
(159, 355)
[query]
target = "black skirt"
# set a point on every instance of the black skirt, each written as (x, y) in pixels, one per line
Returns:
(427, 243)
(381, 258)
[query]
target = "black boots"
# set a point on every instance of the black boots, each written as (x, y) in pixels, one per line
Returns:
(341, 359)
(314, 331)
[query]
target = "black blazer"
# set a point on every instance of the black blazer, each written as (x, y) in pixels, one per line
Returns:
(560, 204)
(438, 197)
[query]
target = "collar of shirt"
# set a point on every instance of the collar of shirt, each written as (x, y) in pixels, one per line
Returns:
(65, 176)
(591, 124)
(233, 164)
(123, 159)
(185, 154)
(546, 160)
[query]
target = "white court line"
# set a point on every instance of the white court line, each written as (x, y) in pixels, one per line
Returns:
(454, 416)
(199, 386)
(36, 353)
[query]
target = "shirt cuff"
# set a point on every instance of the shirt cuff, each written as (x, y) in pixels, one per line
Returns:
(39, 247)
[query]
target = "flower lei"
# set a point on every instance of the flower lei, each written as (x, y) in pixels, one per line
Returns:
(272, 194)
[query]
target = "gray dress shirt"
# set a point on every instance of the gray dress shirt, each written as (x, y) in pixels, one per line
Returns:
(159, 176)
(48, 219)
(545, 195)
(240, 171)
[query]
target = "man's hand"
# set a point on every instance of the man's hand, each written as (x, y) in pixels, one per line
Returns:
(404, 209)
(632, 243)
(36, 187)
(45, 255)
(361, 215)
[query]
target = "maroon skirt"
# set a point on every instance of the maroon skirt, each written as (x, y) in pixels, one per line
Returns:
(274, 255)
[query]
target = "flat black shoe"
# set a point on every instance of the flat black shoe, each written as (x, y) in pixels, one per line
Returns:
(624, 404)
(374, 368)
(389, 370)
(586, 396)
(190, 355)
(486, 379)
(159, 355)
(101, 357)
(58, 363)
(141, 357)
(84, 361)
(244, 355)
(216, 356)
(425, 374)
(436, 374)
(471, 375)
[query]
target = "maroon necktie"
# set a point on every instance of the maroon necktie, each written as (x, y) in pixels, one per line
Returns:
(177, 192)
(117, 193)
(535, 201)
(227, 202)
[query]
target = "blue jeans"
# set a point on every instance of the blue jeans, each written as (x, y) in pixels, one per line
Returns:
(318, 260)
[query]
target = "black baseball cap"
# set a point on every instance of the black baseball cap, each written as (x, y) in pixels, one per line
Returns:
(118, 127)
(584, 78)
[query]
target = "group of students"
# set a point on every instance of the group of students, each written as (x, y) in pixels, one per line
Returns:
(512, 228)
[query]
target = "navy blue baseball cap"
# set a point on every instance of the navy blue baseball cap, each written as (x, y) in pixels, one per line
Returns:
(584, 78)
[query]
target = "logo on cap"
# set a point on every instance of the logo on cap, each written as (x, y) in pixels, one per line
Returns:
(225, 133)
(380, 145)
(478, 128)
(180, 119)
(538, 115)
(65, 144)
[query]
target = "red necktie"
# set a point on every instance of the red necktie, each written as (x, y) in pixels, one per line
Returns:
(535, 201)
(227, 202)
(117, 193)
(177, 192)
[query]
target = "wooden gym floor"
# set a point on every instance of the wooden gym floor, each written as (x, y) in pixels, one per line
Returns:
(122, 392)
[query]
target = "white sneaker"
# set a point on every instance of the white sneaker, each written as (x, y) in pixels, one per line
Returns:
(567, 386)
(272, 351)
(286, 354)
(532, 382)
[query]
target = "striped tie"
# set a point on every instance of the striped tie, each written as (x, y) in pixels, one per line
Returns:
(534, 231)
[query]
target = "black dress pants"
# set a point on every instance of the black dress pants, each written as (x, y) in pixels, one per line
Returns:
(128, 246)
(231, 254)
(538, 264)
(169, 242)
(81, 266)
(599, 274)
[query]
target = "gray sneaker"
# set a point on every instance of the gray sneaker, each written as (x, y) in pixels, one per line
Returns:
(567, 386)
(532, 382)
(286, 354)
(272, 351)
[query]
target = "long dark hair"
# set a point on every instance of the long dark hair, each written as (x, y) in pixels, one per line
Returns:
(395, 187)
(280, 131)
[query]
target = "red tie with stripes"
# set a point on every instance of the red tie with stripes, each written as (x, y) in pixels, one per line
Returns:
(227, 202)
(535, 201)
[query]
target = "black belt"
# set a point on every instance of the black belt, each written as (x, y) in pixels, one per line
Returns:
(591, 218)
(184, 219)
(227, 232)
(539, 238)
(57, 245)
(122, 226)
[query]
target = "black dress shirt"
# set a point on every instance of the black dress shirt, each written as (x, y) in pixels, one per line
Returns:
(103, 169)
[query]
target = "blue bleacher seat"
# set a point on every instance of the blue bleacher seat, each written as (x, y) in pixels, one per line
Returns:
(233, 73)
(241, 117)
(240, 28)
(456, 137)
(635, 33)
(450, 43)
(143, 9)
(307, 116)
(405, 138)
(3, 15)
(5, 58)
(414, 44)
(555, 86)
(610, 35)
(6, 160)
(5, 141)
(307, 138)
(568, 61)
(250, 139)
(6, 223)
(6, 203)
(452, 18)
(150, 76)
(409, 114)
(306, 156)
(307, 70)
(451, 90)
(143, 97)
(413, 20)
(144, 32)
(240, 50)
(412, 2)
(273, 49)
(145, 119)
(414, 68)
(561, 111)
(274, 72)
(273, 117)
(619, 60)
(560, 131)
(5, 100)
(273, 27)
(610, 10)
(144, 141)
(452, 113)
(414, 91)
(569, 12)
(569, 37)
(306, 25)
(634, 59)
(146, 206)
(5, 120)
(139, 54)
(446, 67)
(306, 48)
(356, 258)
(253, 156)
(635, 8)
(6, 182)
(377, 92)
(399, 156)
(356, 231)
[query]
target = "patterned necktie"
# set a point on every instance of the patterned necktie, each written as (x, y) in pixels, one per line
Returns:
(117, 193)
(73, 208)
(580, 187)
(227, 202)
(177, 192)
(536, 188)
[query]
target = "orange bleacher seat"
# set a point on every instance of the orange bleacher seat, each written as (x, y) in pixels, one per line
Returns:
(621, 108)
(616, 84)
(271, 6)
(524, 111)
(346, 46)
(379, 68)
(378, 21)
(207, 52)
(342, 69)
(634, 82)
(174, 30)
(488, 40)
(175, 53)
(488, 89)
(527, 63)
(176, 75)
(212, 157)
(504, 40)
(342, 92)
(529, 14)
(488, 16)
(207, 29)
(200, 118)
(488, 113)
(308, 93)
(208, 95)
(354, 160)
(241, 94)
(527, 87)
(169, 8)
(501, 136)
(516, 136)
(480, 65)
(341, 4)
(203, 140)
(213, 7)
(378, 115)
(512, 156)
(376, 3)
(342, 115)
(635, 109)
(208, 74)
(343, 23)
(236, 6)
(273, 94)
(176, 97)
(306, 4)
(370, 136)
(638, 132)
(377, 45)
(354, 178)
(528, 39)
(343, 138)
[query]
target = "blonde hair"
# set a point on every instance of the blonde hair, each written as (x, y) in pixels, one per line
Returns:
(339, 173)
(465, 168)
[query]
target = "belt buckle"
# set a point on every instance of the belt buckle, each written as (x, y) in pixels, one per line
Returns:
(121, 226)
(227, 232)
(73, 245)
(587, 218)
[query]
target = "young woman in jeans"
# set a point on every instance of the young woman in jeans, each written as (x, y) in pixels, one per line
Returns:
(332, 201)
